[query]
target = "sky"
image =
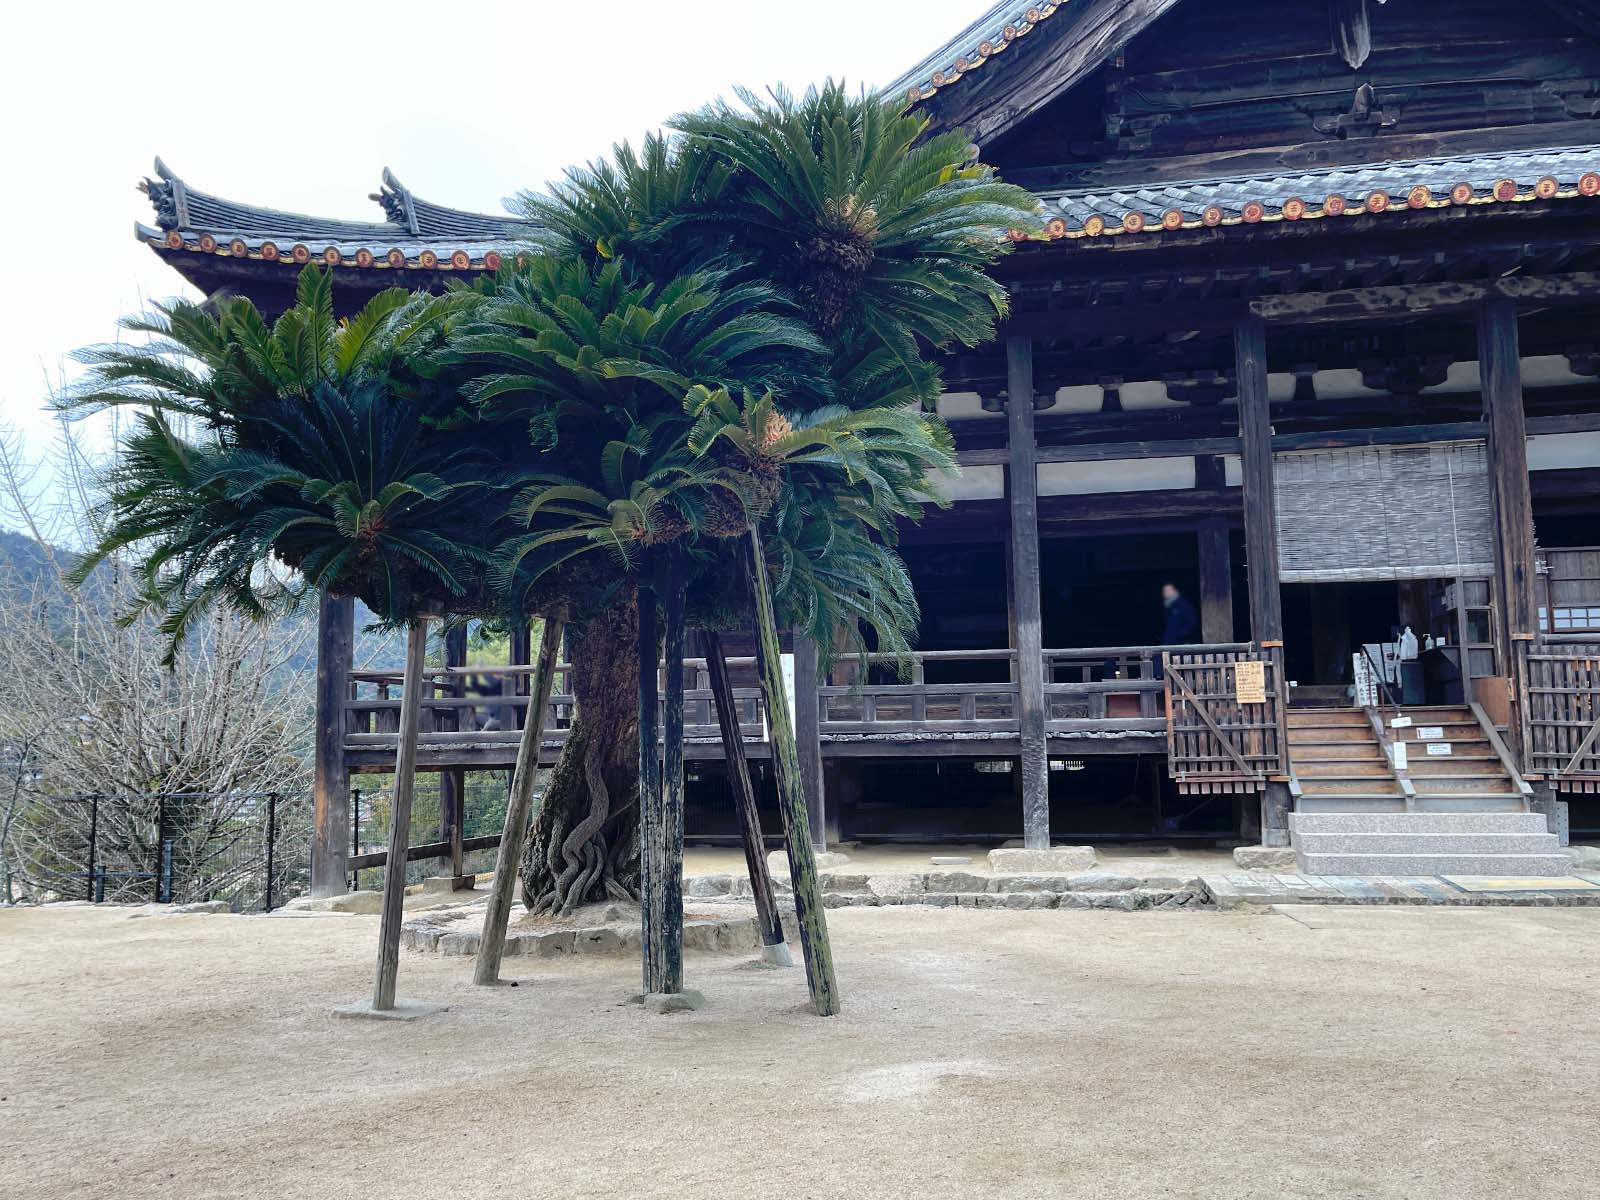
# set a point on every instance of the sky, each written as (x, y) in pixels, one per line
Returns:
(300, 106)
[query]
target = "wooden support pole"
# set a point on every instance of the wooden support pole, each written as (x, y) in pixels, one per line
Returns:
(1027, 627)
(773, 948)
(405, 777)
(519, 804)
(330, 843)
(1499, 366)
(791, 803)
(1260, 512)
(453, 782)
(808, 738)
(661, 788)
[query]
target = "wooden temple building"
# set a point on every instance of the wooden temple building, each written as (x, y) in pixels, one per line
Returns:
(1314, 336)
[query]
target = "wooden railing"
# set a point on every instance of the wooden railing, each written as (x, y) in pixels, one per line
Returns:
(1560, 712)
(970, 691)
(1215, 743)
(944, 693)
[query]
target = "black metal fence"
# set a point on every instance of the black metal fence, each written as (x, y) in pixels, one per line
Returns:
(249, 849)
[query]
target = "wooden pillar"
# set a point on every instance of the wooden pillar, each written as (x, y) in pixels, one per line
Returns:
(808, 738)
(519, 804)
(1027, 619)
(1260, 513)
(1216, 566)
(330, 844)
(1260, 538)
(662, 951)
(453, 781)
(1499, 367)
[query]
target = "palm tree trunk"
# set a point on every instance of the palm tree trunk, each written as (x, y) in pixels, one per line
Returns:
(773, 947)
(492, 945)
(661, 791)
(405, 775)
(791, 800)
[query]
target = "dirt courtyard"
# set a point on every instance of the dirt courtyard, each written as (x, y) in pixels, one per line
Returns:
(1338, 1052)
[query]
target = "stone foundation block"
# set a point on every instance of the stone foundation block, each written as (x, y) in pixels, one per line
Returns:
(1265, 858)
(1065, 860)
(1100, 881)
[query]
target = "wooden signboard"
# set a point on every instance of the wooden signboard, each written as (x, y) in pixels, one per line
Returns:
(1250, 682)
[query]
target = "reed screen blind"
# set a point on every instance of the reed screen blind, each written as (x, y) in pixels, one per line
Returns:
(1384, 512)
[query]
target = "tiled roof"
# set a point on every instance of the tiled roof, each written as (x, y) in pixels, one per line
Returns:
(416, 233)
(1509, 177)
(972, 48)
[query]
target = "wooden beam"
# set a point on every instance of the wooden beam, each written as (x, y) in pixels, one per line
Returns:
(768, 921)
(519, 803)
(1103, 451)
(1260, 514)
(808, 737)
(1408, 300)
(330, 843)
(1510, 490)
(1027, 631)
(809, 912)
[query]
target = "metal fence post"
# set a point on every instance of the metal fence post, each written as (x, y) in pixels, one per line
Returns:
(272, 836)
(161, 846)
(94, 831)
(355, 834)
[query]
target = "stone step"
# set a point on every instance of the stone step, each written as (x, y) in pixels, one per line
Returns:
(1427, 843)
(1437, 864)
(1419, 823)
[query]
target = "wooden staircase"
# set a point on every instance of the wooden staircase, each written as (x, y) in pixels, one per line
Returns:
(1339, 763)
(1459, 811)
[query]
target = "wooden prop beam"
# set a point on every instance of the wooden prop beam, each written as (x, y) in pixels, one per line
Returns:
(773, 948)
(1028, 631)
(1260, 512)
(519, 805)
(791, 801)
(405, 778)
(330, 844)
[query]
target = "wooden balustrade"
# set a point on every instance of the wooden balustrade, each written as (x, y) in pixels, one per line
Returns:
(943, 693)
(1560, 713)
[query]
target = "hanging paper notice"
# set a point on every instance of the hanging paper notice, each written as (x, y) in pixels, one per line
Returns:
(1250, 682)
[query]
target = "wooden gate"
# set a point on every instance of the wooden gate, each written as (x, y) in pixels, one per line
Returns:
(1561, 714)
(1220, 738)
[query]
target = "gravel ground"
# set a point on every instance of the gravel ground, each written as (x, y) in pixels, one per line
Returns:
(1332, 1053)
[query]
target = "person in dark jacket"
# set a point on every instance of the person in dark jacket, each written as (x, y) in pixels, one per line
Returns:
(1182, 623)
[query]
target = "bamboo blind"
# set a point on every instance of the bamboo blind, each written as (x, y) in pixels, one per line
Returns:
(1384, 512)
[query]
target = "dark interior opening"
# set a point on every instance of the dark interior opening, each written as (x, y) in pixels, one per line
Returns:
(1324, 624)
